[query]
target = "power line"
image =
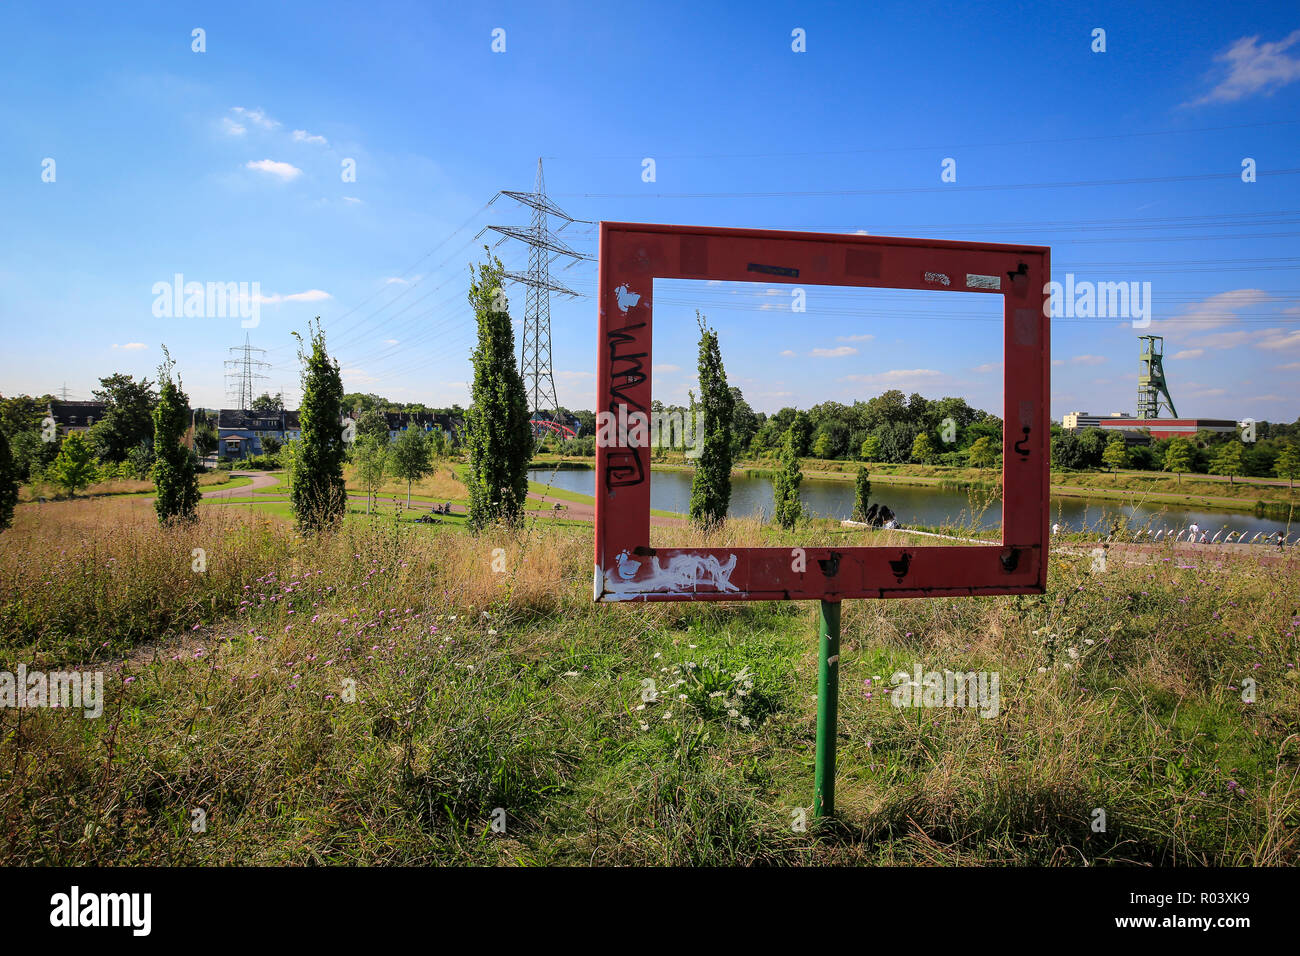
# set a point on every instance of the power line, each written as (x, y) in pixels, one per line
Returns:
(947, 187)
(944, 146)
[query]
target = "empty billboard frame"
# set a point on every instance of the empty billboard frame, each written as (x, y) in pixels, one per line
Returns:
(627, 568)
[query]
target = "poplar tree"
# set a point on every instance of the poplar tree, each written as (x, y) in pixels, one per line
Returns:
(711, 484)
(785, 487)
(861, 493)
(174, 477)
(317, 492)
(497, 430)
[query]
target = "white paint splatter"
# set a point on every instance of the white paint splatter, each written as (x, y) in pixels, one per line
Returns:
(684, 573)
(626, 298)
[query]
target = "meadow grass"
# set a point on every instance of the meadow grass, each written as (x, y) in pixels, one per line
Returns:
(376, 695)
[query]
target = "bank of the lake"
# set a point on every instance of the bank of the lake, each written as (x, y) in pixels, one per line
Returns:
(924, 504)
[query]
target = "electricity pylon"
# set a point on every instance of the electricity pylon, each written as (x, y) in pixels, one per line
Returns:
(242, 373)
(544, 248)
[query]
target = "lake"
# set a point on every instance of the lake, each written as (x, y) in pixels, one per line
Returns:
(913, 504)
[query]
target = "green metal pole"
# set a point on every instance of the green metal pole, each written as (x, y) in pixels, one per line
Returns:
(828, 703)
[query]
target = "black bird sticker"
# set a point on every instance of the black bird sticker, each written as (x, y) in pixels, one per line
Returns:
(900, 566)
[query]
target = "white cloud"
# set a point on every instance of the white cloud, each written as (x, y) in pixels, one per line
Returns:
(1219, 309)
(283, 171)
(390, 341)
(1088, 360)
(855, 338)
(899, 376)
(1274, 338)
(1278, 339)
(351, 199)
(131, 346)
(787, 353)
(1189, 354)
(257, 117)
(991, 367)
(302, 136)
(1254, 67)
(356, 376)
(232, 128)
(1290, 366)
(841, 352)
(665, 369)
(1221, 340)
(311, 295)
(1058, 361)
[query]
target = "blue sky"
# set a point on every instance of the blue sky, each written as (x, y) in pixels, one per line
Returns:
(225, 166)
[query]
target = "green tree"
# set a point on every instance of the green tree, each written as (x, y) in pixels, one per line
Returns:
(174, 475)
(75, 467)
(870, 450)
(983, 454)
(744, 423)
(1287, 464)
(128, 416)
(411, 458)
(1115, 453)
(861, 493)
(922, 448)
(785, 486)
(1228, 460)
(803, 431)
(711, 483)
(317, 492)
(371, 423)
(370, 455)
(266, 402)
(8, 483)
(206, 437)
(271, 445)
(497, 432)
(1179, 455)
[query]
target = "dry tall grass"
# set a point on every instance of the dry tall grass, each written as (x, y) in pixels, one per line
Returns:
(482, 676)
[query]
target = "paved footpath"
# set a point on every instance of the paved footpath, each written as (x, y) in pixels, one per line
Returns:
(260, 480)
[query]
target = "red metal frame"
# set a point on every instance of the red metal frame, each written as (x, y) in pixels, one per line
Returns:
(633, 255)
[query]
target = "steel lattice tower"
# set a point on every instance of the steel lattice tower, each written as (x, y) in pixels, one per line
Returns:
(1151, 379)
(242, 373)
(544, 247)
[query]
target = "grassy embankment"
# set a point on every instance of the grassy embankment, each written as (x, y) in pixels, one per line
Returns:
(231, 691)
(208, 481)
